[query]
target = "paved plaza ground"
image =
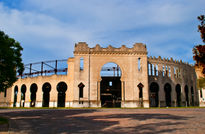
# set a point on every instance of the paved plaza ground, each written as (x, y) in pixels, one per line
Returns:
(138, 121)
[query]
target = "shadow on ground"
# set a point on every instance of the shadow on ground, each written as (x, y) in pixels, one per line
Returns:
(92, 121)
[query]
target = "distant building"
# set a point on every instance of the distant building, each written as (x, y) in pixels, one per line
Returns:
(200, 85)
(109, 77)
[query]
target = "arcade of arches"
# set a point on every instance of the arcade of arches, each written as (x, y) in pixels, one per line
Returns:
(109, 77)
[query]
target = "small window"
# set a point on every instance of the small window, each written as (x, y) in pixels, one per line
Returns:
(110, 83)
(153, 74)
(169, 71)
(139, 67)
(163, 71)
(81, 63)
(149, 69)
(156, 67)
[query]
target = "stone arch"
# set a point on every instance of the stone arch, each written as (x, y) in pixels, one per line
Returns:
(178, 94)
(15, 95)
(33, 90)
(167, 90)
(61, 88)
(154, 97)
(46, 94)
(99, 67)
(186, 90)
(23, 95)
(110, 86)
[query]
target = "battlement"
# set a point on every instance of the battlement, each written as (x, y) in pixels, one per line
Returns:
(82, 47)
(159, 59)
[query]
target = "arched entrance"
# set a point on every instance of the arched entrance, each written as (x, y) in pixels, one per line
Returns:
(154, 89)
(23, 95)
(167, 90)
(110, 85)
(46, 94)
(186, 89)
(61, 88)
(15, 95)
(33, 90)
(178, 93)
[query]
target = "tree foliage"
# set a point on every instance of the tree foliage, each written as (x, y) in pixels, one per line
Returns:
(10, 61)
(199, 50)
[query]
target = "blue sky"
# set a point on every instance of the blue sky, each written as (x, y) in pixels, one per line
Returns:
(49, 29)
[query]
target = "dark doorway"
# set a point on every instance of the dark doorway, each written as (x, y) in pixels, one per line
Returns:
(154, 89)
(23, 95)
(167, 90)
(33, 90)
(61, 88)
(81, 86)
(140, 86)
(178, 93)
(192, 96)
(186, 89)
(46, 94)
(15, 95)
(110, 85)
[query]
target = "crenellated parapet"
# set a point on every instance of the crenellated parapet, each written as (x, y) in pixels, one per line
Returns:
(173, 69)
(82, 48)
(170, 61)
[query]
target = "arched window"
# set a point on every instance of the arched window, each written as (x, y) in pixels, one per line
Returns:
(33, 90)
(139, 67)
(46, 94)
(81, 86)
(153, 94)
(156, 70)
(15, 95)
(23, 95)
(169, 69)
(163, 71)
(168, 89)
(140, 86)
(81, 63)
(178, 93)
(149, 69)
(153, 69)
(61, 88)
(192, 95)
(186, 89)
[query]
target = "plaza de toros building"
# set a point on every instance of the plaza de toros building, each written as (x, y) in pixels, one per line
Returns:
(108, 77)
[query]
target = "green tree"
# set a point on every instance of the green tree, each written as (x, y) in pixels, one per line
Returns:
(10, 61)
(199, 50)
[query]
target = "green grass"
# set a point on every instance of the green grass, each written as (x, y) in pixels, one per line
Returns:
(3, 120)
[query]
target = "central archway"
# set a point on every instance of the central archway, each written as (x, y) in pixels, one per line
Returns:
(110, 85)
